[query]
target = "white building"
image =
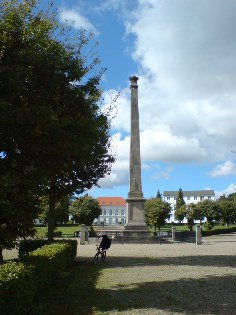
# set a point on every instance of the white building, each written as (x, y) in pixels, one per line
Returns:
(113, 211)
(193, 196)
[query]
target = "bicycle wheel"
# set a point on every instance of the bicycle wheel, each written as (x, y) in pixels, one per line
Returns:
(103, 256)
(95, 259)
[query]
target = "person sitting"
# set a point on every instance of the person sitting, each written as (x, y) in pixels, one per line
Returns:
(105, 242)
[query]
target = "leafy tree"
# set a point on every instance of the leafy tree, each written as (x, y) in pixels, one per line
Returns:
(227, 209)
(180, 213)
(210, 210)
(54, 139)
(61, 209)
(157, 212)
(179, 200)
(191, 214)
(18, 209)
(85, 209)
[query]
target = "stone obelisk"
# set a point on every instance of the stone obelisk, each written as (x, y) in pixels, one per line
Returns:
(135, 218)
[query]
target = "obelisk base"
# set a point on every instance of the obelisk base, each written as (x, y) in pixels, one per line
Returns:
(135, 226)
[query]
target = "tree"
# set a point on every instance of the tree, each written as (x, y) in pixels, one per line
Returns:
(227, 209)
(61, 209)
(191, 214)
(179, 200)
(157, 212)
(180, 213)
(85, 209)
(18, 209)
(210, 210)
(159, 195)
(54, 138)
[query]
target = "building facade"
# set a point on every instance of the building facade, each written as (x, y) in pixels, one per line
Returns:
(113, 211)
(193, 196)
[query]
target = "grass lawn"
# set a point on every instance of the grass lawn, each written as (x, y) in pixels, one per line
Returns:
(68, 231)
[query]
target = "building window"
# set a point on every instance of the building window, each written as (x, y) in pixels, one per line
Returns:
(209, 197)
(195, 197)
(202, 197)
(174, 198)
(110, 220)
(122, 212)
(116, 212)
(116, 220)
(104, 212)
(122, 221)
(110, 212)
(168, 198)
(188, 198)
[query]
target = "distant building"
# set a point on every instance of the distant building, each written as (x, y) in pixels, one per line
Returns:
(113, 211)
(192, 196)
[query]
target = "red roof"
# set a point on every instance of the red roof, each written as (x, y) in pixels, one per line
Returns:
(111, 201)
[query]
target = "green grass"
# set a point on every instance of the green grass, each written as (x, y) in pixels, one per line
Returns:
(68, 231)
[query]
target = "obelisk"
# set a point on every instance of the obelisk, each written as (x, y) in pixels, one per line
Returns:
(135, 218)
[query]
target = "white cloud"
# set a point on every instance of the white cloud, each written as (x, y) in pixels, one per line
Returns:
(228, 168)
(186, 51)
(229, 190)
(77, 20)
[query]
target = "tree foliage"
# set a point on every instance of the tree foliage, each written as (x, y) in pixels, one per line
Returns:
(61, 209)
(54, 139)
(180, 199)
(85, 209)
(191, 214)
(180, 213)
(210, 210)
(227, 208)
(159, 195)
(157, 212)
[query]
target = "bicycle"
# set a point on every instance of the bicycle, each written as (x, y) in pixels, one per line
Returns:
(100, 252)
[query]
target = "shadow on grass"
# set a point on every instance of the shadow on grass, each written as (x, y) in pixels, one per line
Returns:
(76, 292)
(206, 261)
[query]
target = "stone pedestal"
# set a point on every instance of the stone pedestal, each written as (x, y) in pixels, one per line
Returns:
(135, 216)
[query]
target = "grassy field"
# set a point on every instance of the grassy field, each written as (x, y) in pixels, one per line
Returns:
(68, 231)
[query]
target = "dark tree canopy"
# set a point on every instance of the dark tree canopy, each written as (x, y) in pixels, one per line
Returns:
(54, 139)
(180, 199)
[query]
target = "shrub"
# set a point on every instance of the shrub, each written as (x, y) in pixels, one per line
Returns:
(24, 280)
(17, 287)
(27, 246)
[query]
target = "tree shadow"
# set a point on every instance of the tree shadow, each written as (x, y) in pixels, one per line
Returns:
(211, 260)
(76, 293)
(209, 295)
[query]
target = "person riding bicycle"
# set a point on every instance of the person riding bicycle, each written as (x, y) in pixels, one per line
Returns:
(105, 242)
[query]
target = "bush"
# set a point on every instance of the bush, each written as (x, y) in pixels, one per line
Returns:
(27, 246)
(24, 280)
(17, 287)
(218, 231)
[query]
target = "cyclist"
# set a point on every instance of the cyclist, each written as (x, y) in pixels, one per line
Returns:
(105, 242)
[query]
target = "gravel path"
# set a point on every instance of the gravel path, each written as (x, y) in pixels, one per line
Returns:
(167, 279)
(180, 278)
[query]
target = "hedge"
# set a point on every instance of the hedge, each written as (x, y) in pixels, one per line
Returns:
(21, 281)
(218, 231)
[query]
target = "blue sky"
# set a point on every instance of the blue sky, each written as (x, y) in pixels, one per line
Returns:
(184, 55)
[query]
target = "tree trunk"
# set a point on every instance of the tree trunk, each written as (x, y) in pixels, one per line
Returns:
(1, 256)
(51, 218)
